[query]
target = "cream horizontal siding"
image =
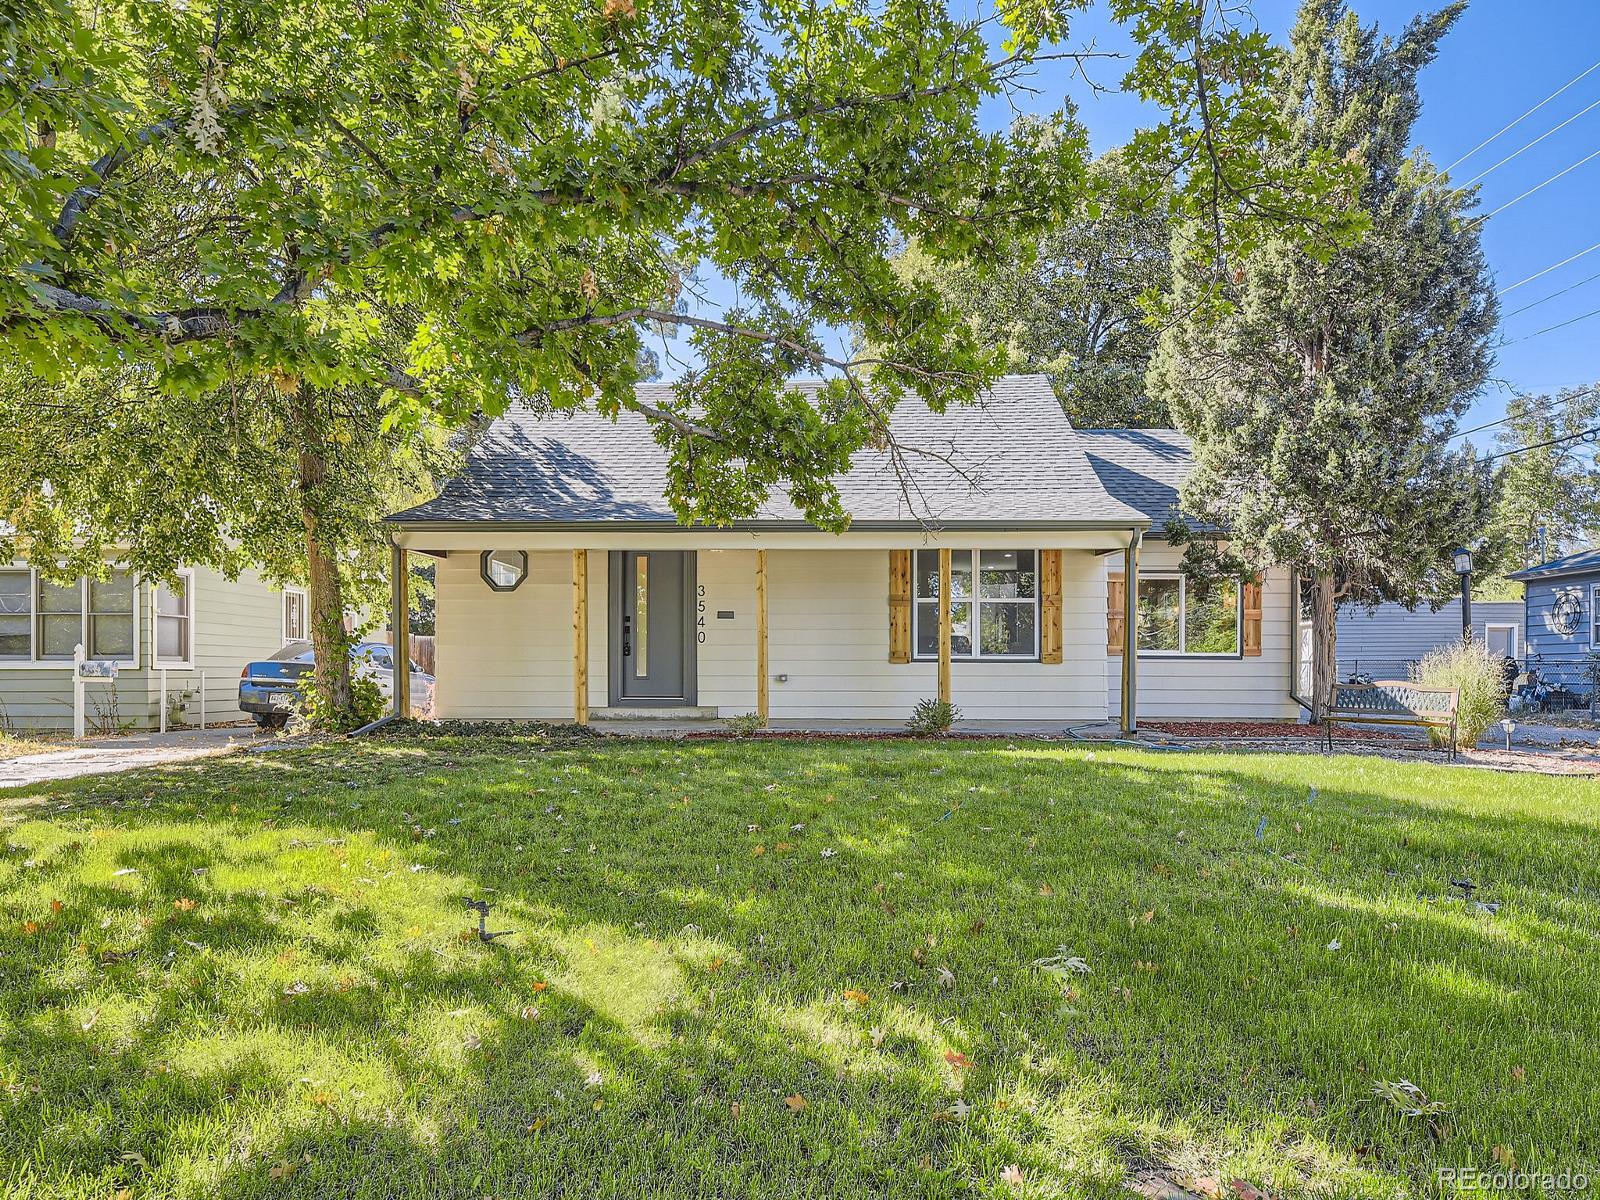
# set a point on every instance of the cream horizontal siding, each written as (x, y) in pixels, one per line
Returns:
(727, 658)
(1215, 686)
(829, 633)
(509, 654)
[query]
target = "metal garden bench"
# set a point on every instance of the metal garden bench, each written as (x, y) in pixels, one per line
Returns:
(1394, 702)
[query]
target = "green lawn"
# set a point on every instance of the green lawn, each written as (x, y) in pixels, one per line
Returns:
(785, 969)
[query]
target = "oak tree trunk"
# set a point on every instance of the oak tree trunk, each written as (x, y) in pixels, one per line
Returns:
(1324, 643)
(325, 592)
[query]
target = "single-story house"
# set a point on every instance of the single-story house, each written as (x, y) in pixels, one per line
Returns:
(566, 588)
(1562, 599)
(1386, 641)
(199, 633)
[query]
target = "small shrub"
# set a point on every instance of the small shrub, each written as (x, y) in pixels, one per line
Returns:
(932, 718)
(1470, 667)
(745, 725)
(312, 710)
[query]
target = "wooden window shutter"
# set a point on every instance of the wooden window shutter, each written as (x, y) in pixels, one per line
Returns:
(1050, 606)
(899, 606)
(1116, 613)
(1252, 617)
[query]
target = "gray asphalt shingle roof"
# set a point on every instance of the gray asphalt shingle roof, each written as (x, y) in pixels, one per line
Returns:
(1571, 564)
(1011, 459)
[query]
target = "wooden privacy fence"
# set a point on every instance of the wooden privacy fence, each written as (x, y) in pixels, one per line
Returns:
(421, 648)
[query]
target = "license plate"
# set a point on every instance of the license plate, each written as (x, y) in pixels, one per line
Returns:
(283, 701)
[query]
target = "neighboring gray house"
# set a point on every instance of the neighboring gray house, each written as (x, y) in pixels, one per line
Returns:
(201, 631)
(1384, 642)
(1562, 599)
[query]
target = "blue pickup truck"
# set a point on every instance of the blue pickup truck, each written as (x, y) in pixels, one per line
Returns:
(269, 687)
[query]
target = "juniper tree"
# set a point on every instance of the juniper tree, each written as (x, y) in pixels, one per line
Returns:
(1322, 393)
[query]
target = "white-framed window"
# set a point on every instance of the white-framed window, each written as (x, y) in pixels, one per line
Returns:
(1501, 640)
(174, 608)
(112, 617)
(296, 621)
(993, 615)
(1179, 616)
(43, 622)
(1594, 616)
(58, 618)
(16, 614)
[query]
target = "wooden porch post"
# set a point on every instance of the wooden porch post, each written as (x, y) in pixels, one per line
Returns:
(400, 625)
(944, 624)
(761, 635)
(1130, 634)
(580, 636)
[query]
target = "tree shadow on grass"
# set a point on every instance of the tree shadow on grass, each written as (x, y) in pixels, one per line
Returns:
(1220, 1024)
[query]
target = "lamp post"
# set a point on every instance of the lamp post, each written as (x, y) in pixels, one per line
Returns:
(1462, 558)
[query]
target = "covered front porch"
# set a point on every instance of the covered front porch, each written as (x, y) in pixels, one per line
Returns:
(803, 631)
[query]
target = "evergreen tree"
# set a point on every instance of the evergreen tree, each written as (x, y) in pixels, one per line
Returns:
(1547, 495)
(1322, 397)
(1069, 304)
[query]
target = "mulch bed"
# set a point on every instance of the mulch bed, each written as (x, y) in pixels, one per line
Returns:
(1266, 729)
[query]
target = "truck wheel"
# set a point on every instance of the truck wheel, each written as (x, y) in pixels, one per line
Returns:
(272, 721)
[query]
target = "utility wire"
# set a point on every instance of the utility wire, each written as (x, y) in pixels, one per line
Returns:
(1533, 410)
(1547, 270)
(1537, 186)
(1581, 435)
(1594, 312)
(1530, 145)
(1535, 303)
(1524, 116)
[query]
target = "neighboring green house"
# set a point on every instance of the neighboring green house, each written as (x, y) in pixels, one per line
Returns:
(200, 632)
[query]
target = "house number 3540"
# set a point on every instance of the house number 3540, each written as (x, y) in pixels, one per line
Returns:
(700, 614)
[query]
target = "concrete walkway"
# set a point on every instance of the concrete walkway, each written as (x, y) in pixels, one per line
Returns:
(105, 756)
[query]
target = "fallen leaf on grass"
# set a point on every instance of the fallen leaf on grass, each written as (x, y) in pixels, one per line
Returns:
(1012, 1175)
(1519, 1073)
(539, 987)
(530, 1013)
(947, 978)
(759, 850)
(184, 904)
(56, 906)
(877, 1035)
(1246, 1190)
(856, 995)
(957, 1059)
(795, 1102)
(1046, 890)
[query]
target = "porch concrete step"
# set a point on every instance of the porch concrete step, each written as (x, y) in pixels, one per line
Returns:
(679, 713)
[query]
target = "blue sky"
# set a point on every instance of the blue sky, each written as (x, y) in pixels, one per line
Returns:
(1502, 58)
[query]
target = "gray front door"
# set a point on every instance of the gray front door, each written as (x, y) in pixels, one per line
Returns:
(652, 647)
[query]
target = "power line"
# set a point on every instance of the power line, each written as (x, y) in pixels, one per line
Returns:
(1533, 410)
(1530, 145)
(1535, 303)
(1547, 270)
(1594, 312)
(1587, 435)
(1524, 116)
(1537, 186)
